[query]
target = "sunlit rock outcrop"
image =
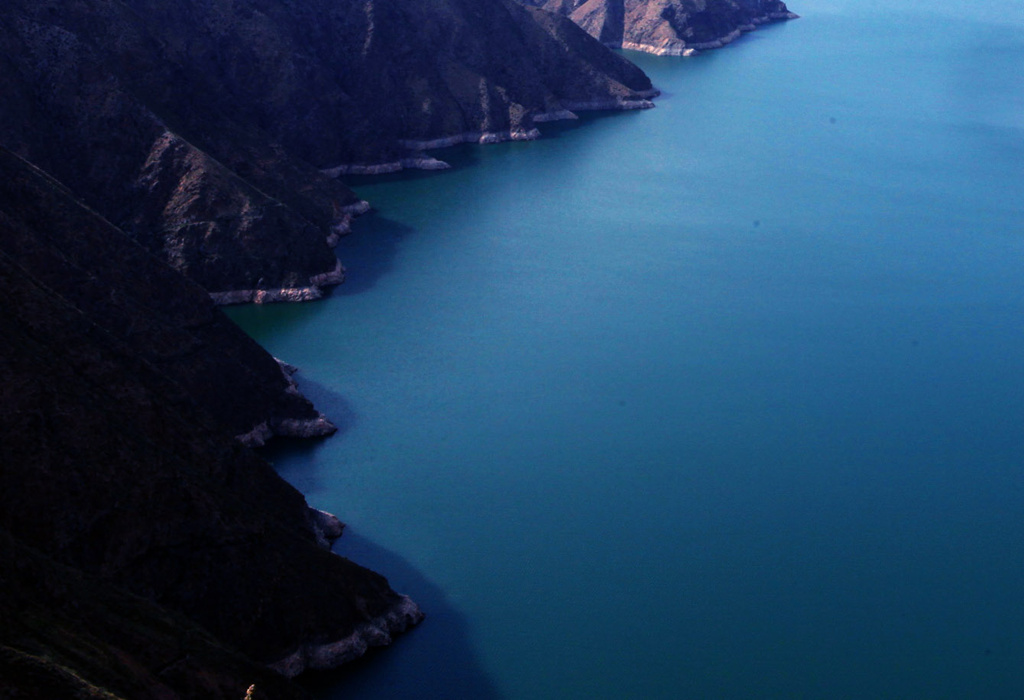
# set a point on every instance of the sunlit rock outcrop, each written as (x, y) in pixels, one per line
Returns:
(668, 27)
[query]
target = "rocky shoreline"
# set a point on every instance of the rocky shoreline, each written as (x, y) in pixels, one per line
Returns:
(314, 291)
(325, 525)
(613, 105)
(411, 163)
(318, 426)
(378, 632)
(425, 162)
(343, 225)
(677, 47)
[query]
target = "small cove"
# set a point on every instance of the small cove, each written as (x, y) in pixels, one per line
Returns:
(720, 399)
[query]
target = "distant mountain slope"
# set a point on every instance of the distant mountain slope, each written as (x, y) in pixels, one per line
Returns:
(201, 127)
(667, 27)
(116, 461)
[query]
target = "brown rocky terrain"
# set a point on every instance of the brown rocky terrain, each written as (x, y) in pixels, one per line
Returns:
(667, 27)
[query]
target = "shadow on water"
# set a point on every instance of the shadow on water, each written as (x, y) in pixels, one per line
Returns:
(556, 130)
(434, 660)
(292, 457)
(292, 448)
(368, 253)
(261, 321)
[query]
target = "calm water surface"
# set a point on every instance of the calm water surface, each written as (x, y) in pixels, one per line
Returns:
(720, 399)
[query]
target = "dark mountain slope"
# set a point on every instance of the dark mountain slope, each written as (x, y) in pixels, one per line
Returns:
(64, 634)
(159, 316)
(667, 27)
(113, 463)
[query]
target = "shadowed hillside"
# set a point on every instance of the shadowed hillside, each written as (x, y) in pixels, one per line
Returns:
(119, 388)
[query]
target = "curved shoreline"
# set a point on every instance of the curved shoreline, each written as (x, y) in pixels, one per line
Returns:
(425, 162)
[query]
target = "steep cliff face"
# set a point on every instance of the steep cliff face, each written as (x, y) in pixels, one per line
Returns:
(209, 130)
(667, 27)
(115, 462)
(158, 315)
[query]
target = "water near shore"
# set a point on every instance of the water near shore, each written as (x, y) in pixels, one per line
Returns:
(720, 399)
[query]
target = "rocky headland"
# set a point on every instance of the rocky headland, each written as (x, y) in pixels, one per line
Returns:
(668, 27)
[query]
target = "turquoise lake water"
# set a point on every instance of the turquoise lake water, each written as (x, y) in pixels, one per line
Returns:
(719, 399)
